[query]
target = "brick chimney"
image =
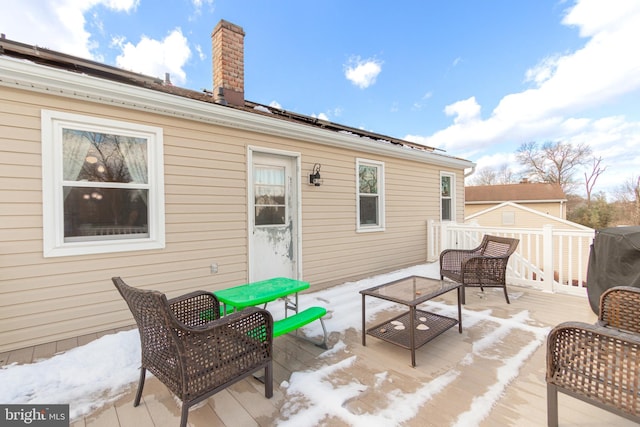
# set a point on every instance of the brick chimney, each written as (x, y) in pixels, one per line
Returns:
(228, 63)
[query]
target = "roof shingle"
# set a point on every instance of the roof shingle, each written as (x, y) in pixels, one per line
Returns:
(523, 192)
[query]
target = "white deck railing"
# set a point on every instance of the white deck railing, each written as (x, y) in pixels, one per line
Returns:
(549, 259)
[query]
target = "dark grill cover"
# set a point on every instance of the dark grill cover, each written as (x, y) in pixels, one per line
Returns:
(614, 260)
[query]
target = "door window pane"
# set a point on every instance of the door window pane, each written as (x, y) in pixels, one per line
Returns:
(269, 192)
(270, 215)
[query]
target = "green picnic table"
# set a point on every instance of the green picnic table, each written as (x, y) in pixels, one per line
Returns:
(261, 292)
(265, 291)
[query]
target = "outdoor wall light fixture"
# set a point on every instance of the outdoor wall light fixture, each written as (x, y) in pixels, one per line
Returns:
(314, 178)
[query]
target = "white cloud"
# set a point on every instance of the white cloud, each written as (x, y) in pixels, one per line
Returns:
(417, 105)
(321, 116)
(594, 16)
(157, 57)
(567, 86)
(335, 112)
(197, 4)
(464, 111)
(58, 24)
(201, 54)
(197, 8)
(543, 71)
(497, 161)
(118, 41)
(362, 73)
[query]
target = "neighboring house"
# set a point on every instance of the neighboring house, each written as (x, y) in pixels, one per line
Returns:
(111, 173)
(517, 216)
(546, 198)
(510, 214)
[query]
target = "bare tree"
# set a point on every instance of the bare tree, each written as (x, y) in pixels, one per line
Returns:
(553, 162)
(590, 180)
(629, 196)
(484, 176)
(494, 176)
(506, 175)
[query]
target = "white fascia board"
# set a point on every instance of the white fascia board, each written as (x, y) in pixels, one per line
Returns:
(27, 75)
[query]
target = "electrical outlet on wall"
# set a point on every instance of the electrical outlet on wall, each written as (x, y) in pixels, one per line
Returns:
(214, 267)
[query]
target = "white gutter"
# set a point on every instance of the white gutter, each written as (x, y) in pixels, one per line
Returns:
(25, 75)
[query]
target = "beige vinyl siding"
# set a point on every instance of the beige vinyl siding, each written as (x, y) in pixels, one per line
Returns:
(49, 299)
(332, 248)
(470, 209)
(523, 218)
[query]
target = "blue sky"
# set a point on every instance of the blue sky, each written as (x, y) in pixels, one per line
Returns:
(476, 79)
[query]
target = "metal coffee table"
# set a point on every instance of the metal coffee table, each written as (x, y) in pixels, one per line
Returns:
(415, 327)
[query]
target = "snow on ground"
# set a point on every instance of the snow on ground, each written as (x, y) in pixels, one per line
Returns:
(93, 375)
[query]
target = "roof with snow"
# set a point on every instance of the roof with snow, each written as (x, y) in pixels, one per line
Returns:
(60, 60)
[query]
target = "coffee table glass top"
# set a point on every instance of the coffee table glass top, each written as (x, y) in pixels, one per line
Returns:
(411, 290)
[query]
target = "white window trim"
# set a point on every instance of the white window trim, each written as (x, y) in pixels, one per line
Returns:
(381, 200)
(52, 123)
(452, 198)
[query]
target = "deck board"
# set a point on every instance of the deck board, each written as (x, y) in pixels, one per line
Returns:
(523, 402)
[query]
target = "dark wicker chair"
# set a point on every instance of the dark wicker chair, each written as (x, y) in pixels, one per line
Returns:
(196, 357)
(484, 266)
(599, 364)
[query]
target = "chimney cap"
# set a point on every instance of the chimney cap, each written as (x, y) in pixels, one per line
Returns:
(229, 26)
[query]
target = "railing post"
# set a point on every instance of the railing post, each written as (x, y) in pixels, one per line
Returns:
(547, 258)
(431, 240)
(444, 236)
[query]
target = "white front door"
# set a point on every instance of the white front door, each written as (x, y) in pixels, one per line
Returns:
(273, 216)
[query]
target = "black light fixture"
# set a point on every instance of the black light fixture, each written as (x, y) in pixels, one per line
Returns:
(314, 178)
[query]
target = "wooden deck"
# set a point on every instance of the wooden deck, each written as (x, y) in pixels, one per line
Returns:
(521, 403)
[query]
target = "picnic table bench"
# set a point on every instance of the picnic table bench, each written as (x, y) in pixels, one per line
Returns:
(266, 291)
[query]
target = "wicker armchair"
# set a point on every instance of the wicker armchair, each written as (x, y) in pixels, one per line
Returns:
(484, 266)
(193, 356)
(599, 364)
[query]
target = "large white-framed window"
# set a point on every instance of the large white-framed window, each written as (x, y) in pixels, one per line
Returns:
(370, 193)
(103, 185)
(447, 196)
